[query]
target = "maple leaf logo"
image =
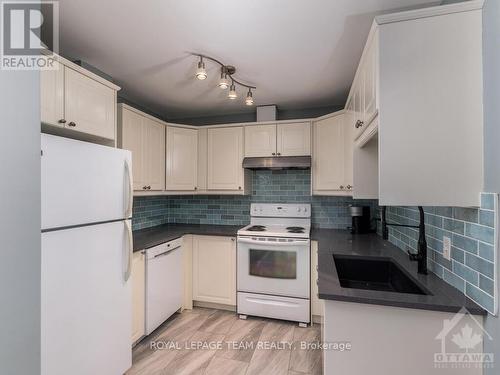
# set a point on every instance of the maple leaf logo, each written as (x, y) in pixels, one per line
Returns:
(466, 339)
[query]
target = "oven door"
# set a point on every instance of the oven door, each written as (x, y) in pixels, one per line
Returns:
(276, 266)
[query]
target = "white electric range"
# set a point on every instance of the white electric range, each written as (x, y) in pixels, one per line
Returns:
(273, 263)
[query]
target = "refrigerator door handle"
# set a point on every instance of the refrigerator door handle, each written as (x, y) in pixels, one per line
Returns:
(130, 250)
(130, 192)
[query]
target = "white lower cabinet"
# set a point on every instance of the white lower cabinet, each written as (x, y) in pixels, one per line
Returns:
(317, 305)
(138, 295)
(187, 265)
(214, 269)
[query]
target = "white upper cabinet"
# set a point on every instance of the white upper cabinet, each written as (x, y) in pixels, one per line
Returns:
(421, 86)
(145, 138)
(293, 139)
(155, 154)
(283, 139)
(202, 160)
(260, 140)
(363, 95)
(89, 106)
(133, 139)
(225, 157)
(76, 102)
(52, 95)
(332, 156)
(182, 158)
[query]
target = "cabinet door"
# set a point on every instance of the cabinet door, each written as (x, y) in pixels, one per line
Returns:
(133, 139)
(294, 139)
(260, 140)
(214, 269)
(138, 295)
(358, 105)
(154, 149)
(370, 81)
(317, 305)
(182, 158)
(202, 159)
(329, 154)
(225, 157)
(89, 105)
(52, 95)
(348, 154)
(187, 265)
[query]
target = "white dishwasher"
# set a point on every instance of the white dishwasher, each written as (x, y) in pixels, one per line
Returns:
(163, 283)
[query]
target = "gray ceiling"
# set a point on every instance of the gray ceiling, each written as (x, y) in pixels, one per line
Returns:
(299, 53)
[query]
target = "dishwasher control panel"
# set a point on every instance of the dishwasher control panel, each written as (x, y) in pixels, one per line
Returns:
(163, 248)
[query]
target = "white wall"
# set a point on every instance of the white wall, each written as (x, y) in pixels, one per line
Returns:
(20, 222)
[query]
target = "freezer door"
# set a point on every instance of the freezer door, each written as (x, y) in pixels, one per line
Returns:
(86, 307)
(84, 183)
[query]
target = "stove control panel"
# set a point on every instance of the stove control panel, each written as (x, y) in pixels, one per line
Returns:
(301, 210)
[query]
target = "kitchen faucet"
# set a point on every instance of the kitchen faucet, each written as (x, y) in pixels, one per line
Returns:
(421, 255)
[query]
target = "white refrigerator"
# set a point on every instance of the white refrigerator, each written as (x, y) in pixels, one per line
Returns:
(87, 195)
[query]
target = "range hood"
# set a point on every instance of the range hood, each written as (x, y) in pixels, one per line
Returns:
(278, 162)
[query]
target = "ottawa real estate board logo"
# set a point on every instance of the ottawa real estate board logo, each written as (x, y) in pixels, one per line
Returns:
(30, 34)
(462, 341)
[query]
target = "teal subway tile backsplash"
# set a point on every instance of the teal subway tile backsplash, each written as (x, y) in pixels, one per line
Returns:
(471, 230)
(472, 235)
(282, 186)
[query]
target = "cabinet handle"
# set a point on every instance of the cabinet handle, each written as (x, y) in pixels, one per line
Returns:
(62, 121)
(359, 124)
(232, 239)
(196, 188)
(349, 187)
(239, 187)
(279, 153)
(72, 124)
(144, 187)
(274, 153)
(341, 187)
(149, 187)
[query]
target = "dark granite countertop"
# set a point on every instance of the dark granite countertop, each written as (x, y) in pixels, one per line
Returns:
(340, 242)
(149, 237)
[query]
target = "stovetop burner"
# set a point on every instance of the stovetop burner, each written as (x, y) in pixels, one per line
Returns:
(295, 229)
(257, 228)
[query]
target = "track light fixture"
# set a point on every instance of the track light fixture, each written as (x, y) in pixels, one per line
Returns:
(232, 92)
(201, 72)
(226, 78)
(224, 82)
(249, 99)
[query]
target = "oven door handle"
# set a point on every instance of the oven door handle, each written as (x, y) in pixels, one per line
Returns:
(273, 243)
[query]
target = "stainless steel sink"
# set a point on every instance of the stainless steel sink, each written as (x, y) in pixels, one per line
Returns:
(374, 273)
